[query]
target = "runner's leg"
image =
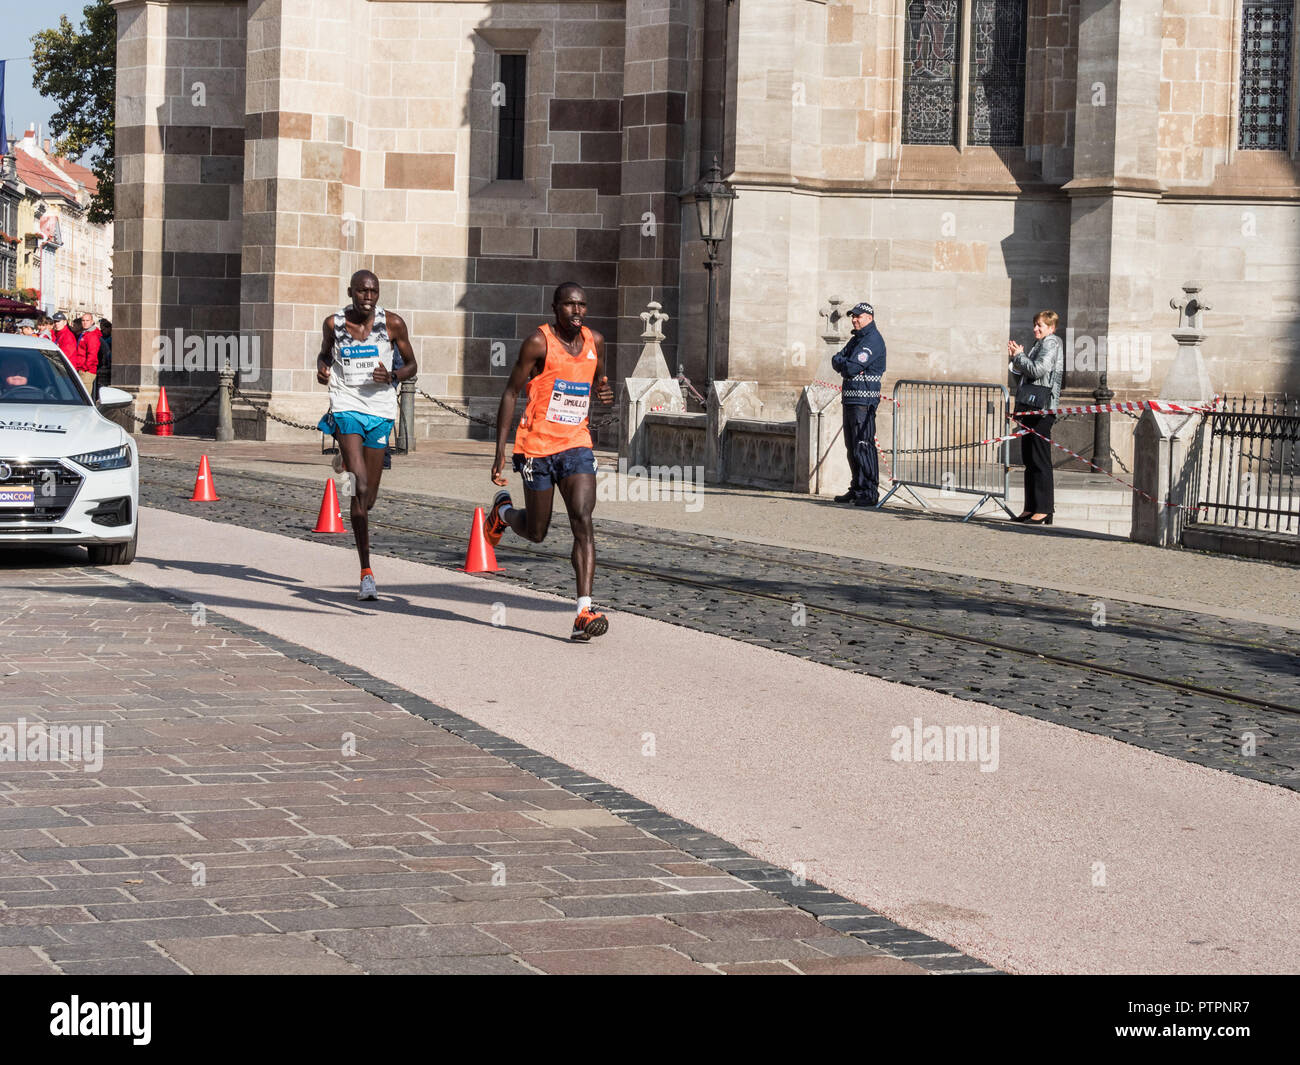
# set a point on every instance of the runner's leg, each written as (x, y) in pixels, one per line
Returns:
(534, 520)
(356, 462)
(579, 494)
(374, 457)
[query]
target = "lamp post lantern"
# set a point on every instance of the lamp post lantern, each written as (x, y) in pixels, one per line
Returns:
(713, 199)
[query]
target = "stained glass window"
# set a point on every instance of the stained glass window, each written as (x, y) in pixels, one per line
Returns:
(1265, 74)
(996, 103)
(930, 72)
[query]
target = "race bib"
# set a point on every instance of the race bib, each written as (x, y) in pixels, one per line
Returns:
(569, 400)
(357, 363)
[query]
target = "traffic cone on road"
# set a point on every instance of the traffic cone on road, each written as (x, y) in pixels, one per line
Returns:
(204, 490)
(162, 415)
(480, 558)
(330, 519)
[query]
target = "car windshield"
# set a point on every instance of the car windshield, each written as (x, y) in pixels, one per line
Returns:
(31, 375)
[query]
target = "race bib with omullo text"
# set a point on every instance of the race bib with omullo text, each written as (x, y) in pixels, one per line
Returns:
(569, 400)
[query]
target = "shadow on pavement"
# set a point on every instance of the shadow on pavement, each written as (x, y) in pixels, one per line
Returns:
(393, 600)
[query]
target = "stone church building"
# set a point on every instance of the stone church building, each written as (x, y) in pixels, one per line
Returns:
(959, 163)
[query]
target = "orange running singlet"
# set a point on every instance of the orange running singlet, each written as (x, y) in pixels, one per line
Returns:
(559, 398)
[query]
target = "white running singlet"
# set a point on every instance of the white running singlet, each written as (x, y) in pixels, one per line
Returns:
(352, 384)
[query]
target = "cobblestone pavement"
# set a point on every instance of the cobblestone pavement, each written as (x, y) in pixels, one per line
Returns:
(263, 808)
(871, 618)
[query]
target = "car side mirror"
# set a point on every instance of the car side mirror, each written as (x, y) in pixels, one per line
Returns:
(112, 398)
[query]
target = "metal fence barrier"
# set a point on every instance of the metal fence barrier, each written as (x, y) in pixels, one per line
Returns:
(939, 429)
(1247, 467)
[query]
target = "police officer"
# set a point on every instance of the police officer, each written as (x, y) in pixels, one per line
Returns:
(861, 362)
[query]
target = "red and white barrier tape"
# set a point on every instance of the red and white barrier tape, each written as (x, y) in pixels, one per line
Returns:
(840, 388)
(889, 470)
(1131, 406)
(1131, 487)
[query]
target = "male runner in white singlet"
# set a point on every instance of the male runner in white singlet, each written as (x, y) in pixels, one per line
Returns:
(355, 361)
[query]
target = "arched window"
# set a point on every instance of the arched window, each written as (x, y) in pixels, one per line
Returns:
(964, 72)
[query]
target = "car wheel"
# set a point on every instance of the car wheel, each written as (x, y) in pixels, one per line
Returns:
(115, 554)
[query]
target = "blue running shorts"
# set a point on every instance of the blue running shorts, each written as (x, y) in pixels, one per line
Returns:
(373, 430)
(546, 471)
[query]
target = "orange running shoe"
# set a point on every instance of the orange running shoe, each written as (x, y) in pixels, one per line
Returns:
(495, 526)
(588, 624)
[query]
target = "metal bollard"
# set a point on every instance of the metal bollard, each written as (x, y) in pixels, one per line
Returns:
(225, 415)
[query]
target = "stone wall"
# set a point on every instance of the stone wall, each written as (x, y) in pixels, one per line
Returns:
(761, 453)
(1252, 283)
(675, 439)
(1129, 162)
(337, 134)
(957, 250)
(179, 184)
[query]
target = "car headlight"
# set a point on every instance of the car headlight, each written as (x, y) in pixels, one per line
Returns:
(113, 458)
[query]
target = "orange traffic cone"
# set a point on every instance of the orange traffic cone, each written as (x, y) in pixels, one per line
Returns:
(330, 519)
(204, 490)
(162, 416)
(480, 558)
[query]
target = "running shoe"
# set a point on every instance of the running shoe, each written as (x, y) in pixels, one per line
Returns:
(496, 525)
(368, 590)
(588, 624)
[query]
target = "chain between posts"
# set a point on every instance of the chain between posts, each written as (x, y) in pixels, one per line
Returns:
(491, 423)
(312, 428)
(235, 390)
(175, 418)
(460, 413)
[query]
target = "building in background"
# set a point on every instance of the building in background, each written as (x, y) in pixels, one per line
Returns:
(63, 255)
(11, 198)
(959, 163)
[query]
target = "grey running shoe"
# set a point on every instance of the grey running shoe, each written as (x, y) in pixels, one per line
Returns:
(368, 590)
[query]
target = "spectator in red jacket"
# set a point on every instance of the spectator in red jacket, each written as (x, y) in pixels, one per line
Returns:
(86, 359)
(65, 337)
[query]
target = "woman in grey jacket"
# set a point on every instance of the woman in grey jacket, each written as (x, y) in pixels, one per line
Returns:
(1044, 365)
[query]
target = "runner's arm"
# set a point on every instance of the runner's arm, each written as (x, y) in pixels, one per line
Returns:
(532, 354)
(603, 392)
(326, 357)
(401, 338)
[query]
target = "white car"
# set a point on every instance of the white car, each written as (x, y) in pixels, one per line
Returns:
(67, 474)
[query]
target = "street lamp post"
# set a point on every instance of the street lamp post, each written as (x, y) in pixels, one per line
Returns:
(713, 199)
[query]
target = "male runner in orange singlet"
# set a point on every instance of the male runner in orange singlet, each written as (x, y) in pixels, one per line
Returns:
(559, 366)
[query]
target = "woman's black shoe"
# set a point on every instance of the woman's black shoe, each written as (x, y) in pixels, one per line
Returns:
(1040, 521)
(1021, 518)
(846, 497)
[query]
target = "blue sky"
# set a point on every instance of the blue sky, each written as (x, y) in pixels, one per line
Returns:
(21, 19)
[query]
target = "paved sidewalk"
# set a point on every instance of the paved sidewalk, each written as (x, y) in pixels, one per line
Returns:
(914, 626)
(793, 761)
(1109, 569)
(256, 814)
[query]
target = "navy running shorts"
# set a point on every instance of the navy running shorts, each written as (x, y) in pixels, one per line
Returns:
(546, 471)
